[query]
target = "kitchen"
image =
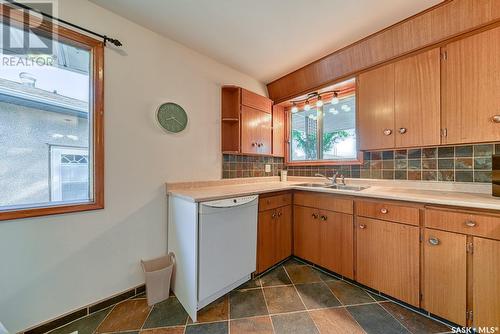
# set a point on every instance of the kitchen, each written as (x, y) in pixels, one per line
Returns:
(352, 191)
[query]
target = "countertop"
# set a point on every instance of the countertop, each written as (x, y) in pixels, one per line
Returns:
(468, 195)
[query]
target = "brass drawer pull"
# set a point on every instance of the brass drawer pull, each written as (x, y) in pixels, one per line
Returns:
(402, 130)
(324, 218)
(362, 226)
(315, 215)
(470, 223)
(496, 119)
(387, 132)
(279, 213)
(434, 241)
(384, 211)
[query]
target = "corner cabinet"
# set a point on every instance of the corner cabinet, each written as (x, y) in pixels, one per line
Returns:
(247, 122)
(399, 103)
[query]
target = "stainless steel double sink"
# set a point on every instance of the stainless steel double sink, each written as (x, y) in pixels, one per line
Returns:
(333, 186)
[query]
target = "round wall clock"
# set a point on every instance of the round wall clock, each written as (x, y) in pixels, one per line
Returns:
(171, 117)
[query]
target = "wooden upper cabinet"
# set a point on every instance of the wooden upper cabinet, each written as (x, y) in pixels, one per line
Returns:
(376, 108)
(256, 101)
(471, 89)
(417, 100)
(278, 131)
(445, 275)
(246, 122)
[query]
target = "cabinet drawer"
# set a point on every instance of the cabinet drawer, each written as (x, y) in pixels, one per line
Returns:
(463, 222)
(272, 202)
(324, 201)
(256, 101)
(388, 211)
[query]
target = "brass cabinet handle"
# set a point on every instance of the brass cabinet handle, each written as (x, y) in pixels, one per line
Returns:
(387, 132)
(496, 119)
(362, 226)
(279, 213)
(384, 211)
(402, 130)
(315, 215)
(274, 214)
(470, 223)
(434, 241)
(324, 218)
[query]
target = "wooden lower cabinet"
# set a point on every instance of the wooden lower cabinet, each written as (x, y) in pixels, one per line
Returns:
(387, 258)
(325, 238)
(445, 275)
(486, 283)
(306, 233)
(274, 237)
(336, 243)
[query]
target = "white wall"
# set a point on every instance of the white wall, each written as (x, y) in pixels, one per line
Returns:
(49, 266)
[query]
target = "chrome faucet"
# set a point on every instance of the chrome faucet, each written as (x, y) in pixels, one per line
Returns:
(333, 179)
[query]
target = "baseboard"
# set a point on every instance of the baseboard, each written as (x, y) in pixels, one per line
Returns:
(67, 318)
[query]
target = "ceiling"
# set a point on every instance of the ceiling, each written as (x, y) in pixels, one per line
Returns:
(265, 38)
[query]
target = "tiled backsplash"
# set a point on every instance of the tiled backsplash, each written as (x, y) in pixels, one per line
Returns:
(468, 163)
(249, 166)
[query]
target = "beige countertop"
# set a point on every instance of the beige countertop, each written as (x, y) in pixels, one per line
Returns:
(441, 193)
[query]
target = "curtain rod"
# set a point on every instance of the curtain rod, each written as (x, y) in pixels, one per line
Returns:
(105, 38)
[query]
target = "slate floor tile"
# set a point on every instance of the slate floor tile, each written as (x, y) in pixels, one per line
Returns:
(327, 277)
(168, 330)
(85, 325)
(334, 321)
(167, 313)
(125, 316)
(248, 303)
(303, 274)
(257, 325)
(293, 262)
(416, 323)
(215, 311)
(251, 284)
(294, 323)
(283, 299)
(349, 294)
(376, 320)
(277, 276)
(317, 295)
(210, 328)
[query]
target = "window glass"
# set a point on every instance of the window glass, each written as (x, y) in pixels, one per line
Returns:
(45, 127)
(325, 133)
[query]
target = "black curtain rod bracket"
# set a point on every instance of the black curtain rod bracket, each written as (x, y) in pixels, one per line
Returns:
(105, 38)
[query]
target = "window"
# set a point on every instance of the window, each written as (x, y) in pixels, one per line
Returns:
(51, 133)
(326, 133)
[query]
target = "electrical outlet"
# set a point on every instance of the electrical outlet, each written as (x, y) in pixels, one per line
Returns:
(268, 168)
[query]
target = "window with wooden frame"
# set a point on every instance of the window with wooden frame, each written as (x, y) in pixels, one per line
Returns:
(51, 118)
(322, 127)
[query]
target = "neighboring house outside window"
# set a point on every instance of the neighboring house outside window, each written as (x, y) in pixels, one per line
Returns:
(51, 131)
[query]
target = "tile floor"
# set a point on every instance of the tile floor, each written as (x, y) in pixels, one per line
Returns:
(291, 298)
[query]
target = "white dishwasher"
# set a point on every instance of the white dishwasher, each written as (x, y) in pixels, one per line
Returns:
(227, 246)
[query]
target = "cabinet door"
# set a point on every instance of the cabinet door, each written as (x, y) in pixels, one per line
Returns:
(445, 272)
(278, 131)
(471, 89)
(388, 258)
(417, 100)
(256, 101)
(250, 129)
(376, 108)
(336, 244)
(283, 241)
(306, 234)
(266, 240)
(486, 283)
(264, 142)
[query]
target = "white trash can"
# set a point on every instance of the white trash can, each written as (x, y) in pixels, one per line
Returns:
(158, 274)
